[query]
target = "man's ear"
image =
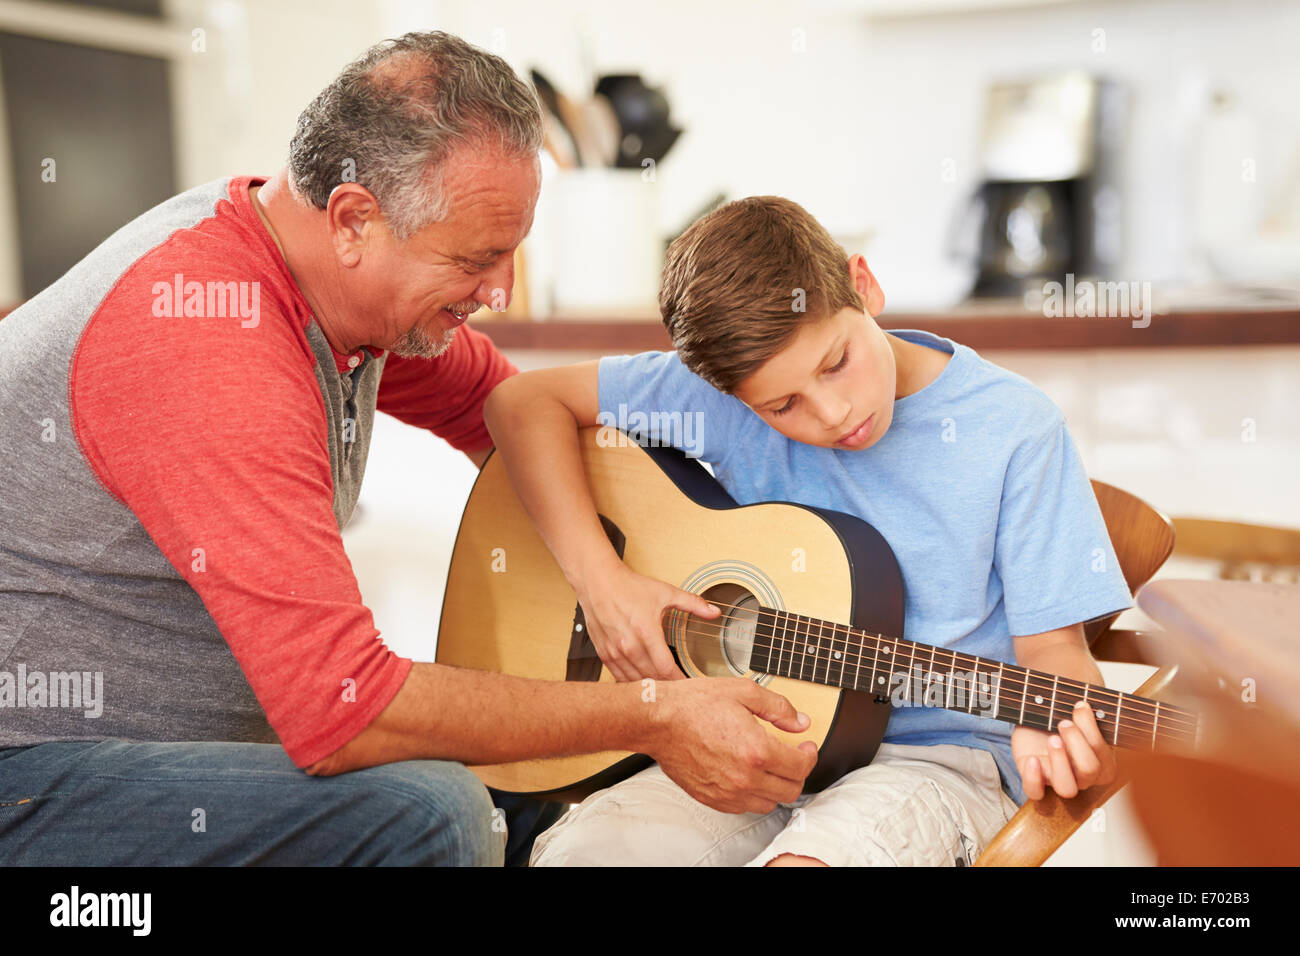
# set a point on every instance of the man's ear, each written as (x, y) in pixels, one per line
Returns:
(352, 214)
(873, 297)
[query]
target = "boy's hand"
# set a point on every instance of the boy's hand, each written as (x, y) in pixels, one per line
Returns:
(624, 613)
(1082, 760)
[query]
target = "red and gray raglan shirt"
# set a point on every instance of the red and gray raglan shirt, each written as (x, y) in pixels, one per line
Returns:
(180, 447)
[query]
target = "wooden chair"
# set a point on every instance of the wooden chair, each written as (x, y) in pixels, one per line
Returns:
(1245, 552)
(1143, 539)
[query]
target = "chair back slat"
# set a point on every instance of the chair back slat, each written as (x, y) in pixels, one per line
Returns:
(1143, 538)
(1243, 551)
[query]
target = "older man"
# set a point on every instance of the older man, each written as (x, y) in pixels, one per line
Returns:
(186, 419)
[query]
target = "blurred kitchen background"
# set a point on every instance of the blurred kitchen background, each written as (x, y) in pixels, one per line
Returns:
(971, 149)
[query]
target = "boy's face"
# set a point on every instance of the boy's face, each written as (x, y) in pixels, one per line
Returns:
(834, 385)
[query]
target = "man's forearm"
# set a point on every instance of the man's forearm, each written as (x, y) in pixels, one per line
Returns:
(478, 717)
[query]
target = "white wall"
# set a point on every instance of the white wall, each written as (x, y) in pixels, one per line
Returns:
(858, 127)
(925, 77)
(853, 116)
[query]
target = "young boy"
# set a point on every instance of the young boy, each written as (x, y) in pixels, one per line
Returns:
(966, 469)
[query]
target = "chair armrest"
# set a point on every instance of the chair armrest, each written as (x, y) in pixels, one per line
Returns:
(1039, 827)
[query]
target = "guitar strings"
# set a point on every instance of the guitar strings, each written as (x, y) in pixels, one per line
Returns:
(1169, 714)
(1169, 719)
(1172, 717)
(866, 636)
(1169, 725)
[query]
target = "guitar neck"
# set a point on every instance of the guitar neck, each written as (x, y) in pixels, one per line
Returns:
(921, 675)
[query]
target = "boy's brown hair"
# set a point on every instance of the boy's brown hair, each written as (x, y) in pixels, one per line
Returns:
(742, 280)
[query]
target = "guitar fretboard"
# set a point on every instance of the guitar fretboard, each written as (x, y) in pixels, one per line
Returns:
(921, 675)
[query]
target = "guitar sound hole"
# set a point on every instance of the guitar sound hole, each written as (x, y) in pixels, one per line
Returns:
(722, 647)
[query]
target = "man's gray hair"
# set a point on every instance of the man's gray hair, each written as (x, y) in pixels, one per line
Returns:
(392, 117)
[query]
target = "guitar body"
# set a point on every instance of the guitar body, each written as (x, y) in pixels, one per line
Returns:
(508, 607)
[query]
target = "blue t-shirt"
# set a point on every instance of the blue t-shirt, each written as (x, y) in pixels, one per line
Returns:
(977, 487)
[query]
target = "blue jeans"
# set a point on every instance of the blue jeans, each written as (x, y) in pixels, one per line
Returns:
(124, 803)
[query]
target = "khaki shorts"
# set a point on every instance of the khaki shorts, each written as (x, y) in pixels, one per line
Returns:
(911, 806)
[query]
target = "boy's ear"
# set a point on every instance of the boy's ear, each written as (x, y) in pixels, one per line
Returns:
(873, 297)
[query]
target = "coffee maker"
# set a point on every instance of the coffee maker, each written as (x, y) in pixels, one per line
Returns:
(1048, 202)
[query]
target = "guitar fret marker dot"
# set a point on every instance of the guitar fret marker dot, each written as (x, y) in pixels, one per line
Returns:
(837, 655)
(1101, 713)
(577, 627)
(1038, 698)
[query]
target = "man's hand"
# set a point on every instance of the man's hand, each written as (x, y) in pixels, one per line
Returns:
(624, 614)
(1074, 759)
(709, 743)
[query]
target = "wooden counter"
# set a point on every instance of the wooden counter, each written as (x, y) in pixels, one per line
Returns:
(979, 328)
(979, 325)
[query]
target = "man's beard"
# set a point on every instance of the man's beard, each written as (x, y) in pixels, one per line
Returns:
(417, 343)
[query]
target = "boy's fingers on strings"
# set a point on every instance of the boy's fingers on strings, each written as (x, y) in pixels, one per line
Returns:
(647, 657)
(1081, 746)
(1063, 781)
(665, 665)
(641, 642)
(1033, 779)
(1086, 721)
(693, 603)
(1083, 761)
(605, 649)
(611, 652)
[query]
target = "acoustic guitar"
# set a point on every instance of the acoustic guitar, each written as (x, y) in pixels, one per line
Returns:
(812, 604)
